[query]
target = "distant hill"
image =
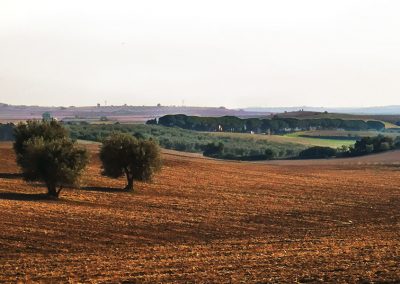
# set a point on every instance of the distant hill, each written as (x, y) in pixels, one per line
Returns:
(115, 113)
(378, 110)
(125, 113)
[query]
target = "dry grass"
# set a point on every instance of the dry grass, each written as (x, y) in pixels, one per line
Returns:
(205, 221)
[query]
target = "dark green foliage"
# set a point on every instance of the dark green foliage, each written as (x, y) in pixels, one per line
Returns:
(275, 125)
(7, 132)
(269, 154)
(367, 145)
(189, 141)
(213, 149)
(216, 150)
(137, 159)
(317, 152)
(397, 142)
(44, 153)
(376, 125)
(48, 130)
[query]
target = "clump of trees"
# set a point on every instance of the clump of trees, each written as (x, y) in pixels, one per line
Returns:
(45, 153)
(217, 150)
(213, 149)
(137, 159)
(6, 132)
(364, 146)
(317, 152)
(275, 125)
(368, 145)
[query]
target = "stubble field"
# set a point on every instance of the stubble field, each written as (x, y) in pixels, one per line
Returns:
(206, 221)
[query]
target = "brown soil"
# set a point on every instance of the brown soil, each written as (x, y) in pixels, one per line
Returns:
(203, 220)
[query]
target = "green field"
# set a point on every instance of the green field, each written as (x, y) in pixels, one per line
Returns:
(294, 138)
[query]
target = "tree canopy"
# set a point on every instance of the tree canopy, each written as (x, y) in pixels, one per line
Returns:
(44, 153)
(273, 125)
(137, 159)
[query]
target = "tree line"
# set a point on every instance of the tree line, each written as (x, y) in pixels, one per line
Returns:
(45, 152)
(235, 148)
(275, 125)
(364, 146)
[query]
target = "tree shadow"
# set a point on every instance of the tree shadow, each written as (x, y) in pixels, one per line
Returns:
(10, 175)
(24, 196)
(103, 189)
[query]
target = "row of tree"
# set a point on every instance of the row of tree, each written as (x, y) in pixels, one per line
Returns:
(275, 125)
(45, 153)
(364, 146)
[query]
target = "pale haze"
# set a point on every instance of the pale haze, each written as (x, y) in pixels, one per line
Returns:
(205, 53)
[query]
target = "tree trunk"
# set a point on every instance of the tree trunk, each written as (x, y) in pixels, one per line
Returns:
(52, 191)
(129, 178)
(129, 186)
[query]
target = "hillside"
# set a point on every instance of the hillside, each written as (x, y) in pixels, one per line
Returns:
(205, 221)
(125, 113)
(378, 110)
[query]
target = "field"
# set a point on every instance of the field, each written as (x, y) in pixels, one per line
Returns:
(292, 138)
(203, 220)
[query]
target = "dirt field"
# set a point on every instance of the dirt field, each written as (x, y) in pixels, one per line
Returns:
(206, 221)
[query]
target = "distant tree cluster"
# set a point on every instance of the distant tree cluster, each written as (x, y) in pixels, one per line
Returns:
(216, 150)
(275, 125)
(235, 148)
(368, 145)
(364, 146)
(45, 153)
(317, 152)
(7, 132)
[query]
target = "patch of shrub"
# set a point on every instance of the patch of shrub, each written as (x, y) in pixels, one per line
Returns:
(317, 152)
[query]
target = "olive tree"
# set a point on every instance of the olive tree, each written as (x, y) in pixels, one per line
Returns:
(48, 130)
(137, 159)
(45, 154)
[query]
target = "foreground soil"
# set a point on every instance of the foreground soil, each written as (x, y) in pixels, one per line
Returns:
(205, 221)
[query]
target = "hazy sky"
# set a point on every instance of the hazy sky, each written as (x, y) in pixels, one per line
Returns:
(231, 53)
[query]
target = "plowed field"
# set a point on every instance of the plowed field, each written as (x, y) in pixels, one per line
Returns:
(205, 221)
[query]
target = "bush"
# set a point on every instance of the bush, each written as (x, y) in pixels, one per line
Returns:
(213, 149)
(368, 145)
(6, 132)
(317, 152)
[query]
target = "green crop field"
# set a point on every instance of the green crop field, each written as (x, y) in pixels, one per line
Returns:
(290, 138)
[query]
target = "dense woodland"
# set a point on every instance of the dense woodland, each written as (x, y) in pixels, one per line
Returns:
(275, 125)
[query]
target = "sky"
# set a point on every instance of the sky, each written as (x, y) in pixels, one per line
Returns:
(200, 53)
